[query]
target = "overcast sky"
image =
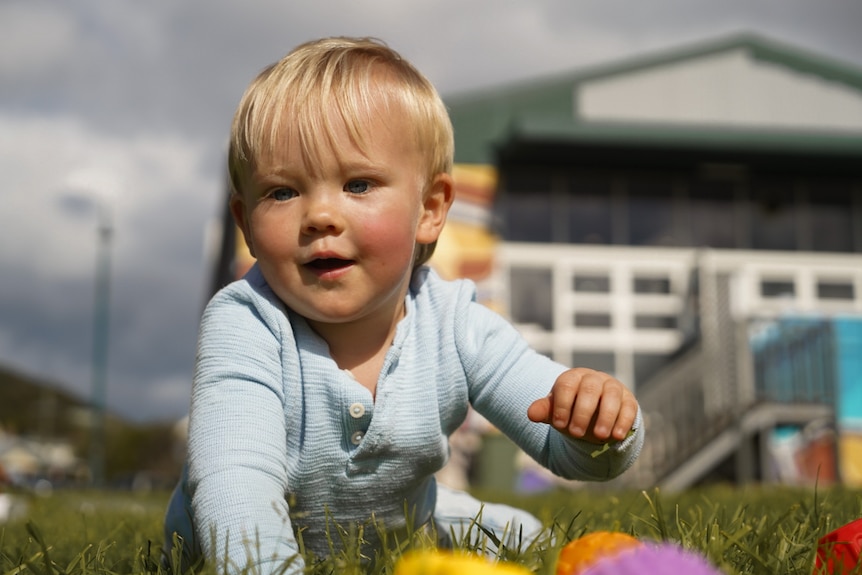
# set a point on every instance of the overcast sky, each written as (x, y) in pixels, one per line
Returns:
(129, 103)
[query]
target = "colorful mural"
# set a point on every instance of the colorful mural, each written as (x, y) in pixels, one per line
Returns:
(824, 452)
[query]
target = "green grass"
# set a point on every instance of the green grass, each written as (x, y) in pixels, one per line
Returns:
(758, 530)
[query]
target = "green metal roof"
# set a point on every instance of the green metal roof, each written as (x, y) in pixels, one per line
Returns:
(543, 109)
(712, 137)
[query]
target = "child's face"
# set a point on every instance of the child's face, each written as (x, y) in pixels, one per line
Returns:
(336, 242)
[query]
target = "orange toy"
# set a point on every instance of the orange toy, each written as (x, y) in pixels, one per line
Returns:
(580, 553)
(437, 562)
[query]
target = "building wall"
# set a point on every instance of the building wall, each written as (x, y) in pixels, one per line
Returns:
(728, 89)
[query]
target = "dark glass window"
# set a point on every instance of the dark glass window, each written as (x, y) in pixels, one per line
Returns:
(830, 216)
(525, 208)
(647, 208)
(590, 211)
(586, 319)
(777, 288)
(531, 296)
(650, 212)
(835, 290)
(773, 215)
(591, 283)
(647, 284)
(643, 321)
(712, 218)
(527, 218)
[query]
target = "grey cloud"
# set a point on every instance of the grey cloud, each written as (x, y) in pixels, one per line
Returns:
(146, 90)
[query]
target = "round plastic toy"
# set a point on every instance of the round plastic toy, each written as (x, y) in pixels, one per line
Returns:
(582, 552)
(438, 562)
(840, 551)
(655, 559)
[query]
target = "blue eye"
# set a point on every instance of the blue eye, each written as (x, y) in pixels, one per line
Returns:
(357, 187)
(283, 194)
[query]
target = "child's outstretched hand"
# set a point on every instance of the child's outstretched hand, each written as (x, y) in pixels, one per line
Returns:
(589, 405)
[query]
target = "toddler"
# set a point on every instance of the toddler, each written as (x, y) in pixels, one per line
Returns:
(329, 378)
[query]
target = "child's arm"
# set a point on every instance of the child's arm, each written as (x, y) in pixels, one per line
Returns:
(587, 404)
(237, 450)
(518, 389)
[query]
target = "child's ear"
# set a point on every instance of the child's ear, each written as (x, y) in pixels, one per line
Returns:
(240, 217)
(435, 206)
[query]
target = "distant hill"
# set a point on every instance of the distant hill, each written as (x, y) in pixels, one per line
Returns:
(37, 408)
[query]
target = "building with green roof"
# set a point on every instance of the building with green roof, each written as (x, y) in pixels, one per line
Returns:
(690, 221)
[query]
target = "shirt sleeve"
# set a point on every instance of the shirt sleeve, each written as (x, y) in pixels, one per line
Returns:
(505, 376)
(237, 468)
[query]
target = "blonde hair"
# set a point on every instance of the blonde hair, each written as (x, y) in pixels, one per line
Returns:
(332, 82)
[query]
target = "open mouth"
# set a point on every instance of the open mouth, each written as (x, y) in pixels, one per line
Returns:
(328, 264)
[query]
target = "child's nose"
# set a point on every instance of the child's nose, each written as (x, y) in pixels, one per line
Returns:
(322, 214)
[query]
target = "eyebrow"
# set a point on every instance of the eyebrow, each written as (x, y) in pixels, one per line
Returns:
(360, 165)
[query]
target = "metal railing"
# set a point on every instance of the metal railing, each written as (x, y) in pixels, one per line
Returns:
(750, 346)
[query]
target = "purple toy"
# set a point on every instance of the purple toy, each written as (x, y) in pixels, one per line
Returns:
(653, 559)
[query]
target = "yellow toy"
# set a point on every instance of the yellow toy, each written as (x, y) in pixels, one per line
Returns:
(438, 562)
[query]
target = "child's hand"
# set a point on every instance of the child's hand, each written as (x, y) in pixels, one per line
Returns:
(589, 405)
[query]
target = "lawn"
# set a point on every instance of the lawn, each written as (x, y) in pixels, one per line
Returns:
(757, 530)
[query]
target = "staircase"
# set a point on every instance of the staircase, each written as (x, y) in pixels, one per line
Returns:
(693, 428)
(750, 345)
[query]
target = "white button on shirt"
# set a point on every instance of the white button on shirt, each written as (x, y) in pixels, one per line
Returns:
(356, 438)
(357, 410)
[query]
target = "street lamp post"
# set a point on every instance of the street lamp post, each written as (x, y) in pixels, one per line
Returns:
(91, 190)
(101, 311)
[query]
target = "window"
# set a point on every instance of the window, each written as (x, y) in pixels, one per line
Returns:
(527, 218)
(593, 320)
(650, 285)
(773, 215)
(650, 212)
(590, 211)
(590, 283)
(777, 288)
(643, 321)
(712, 219)
(830, 216)
(525, 207)
(531, 298)
(835, 290)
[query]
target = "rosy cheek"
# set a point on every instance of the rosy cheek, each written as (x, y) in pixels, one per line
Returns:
(383, 236)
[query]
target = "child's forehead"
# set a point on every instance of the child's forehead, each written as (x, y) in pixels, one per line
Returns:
(332, 136)
(335, 116)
